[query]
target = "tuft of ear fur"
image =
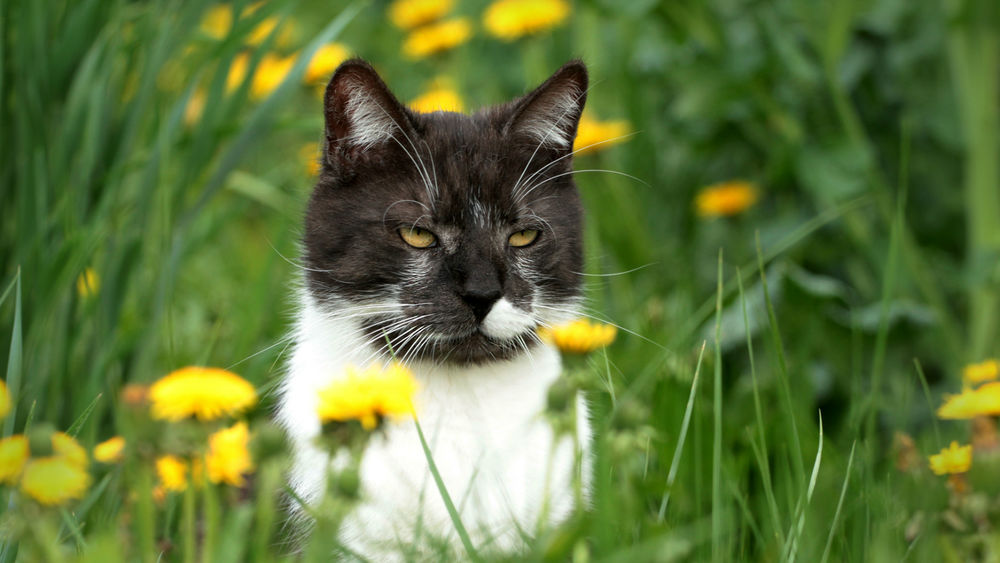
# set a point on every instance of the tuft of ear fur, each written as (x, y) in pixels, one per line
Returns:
(550, 114)
(361, 113)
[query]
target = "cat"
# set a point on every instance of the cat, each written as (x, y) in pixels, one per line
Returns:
(444, 240)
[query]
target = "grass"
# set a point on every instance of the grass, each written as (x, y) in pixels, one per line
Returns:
(870, 129)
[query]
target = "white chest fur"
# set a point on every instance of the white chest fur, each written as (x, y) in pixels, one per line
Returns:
(500, 461)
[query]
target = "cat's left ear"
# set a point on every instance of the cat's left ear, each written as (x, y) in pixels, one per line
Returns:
(549, 115)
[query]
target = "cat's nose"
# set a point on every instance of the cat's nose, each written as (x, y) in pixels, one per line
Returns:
(480, 298)
(481, 303)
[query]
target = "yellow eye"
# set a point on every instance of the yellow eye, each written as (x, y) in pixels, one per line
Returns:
(523, 238)
(417, 237)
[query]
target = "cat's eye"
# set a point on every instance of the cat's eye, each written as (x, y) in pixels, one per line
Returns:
(523, 238)
(417, 237)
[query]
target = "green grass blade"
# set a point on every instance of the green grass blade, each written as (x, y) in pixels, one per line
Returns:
(840, 505)
(803, 505)
(74, 428)
(679, 449)
(13, 378)
(783, 386)
(717, 510)
(449, 505)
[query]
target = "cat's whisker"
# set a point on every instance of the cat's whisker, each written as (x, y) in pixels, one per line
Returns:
(613, 274)
(421, 204)
(571, 172)
(415, 157)
(555, 161)
(279, 342)
(552, 129)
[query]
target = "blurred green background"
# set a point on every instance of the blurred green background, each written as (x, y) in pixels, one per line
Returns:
(869, 130)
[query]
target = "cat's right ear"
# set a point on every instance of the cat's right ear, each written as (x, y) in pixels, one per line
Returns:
(361, 114)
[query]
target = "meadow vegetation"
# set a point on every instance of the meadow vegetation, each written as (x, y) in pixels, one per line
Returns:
(793, 224)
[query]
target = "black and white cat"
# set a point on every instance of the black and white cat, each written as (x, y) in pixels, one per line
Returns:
(454, 237)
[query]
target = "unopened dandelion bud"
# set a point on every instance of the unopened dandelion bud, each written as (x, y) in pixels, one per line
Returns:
(561, 392)
(40, 439)
(349, 482)
(269, 442)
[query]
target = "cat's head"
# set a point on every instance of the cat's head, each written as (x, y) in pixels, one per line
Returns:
(453, 237)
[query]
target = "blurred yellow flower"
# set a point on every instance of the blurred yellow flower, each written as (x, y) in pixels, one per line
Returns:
(983, 371)
(172, 472)
(194, 108)
(310, 155)
(88, 283)
(13, 454)
(217, 21)
(511, 19)
(970, 403)
(440, 97)
(110, 450)
(326, 60)
(66, 447)
(593, 135)
(366, 395)
(261, 31)
(228, 458)
(437, 37)
(54, 480)
(270, 73)
(135, 394)
(207, 393)
(407, 14)
(725, 198)
(237, 71)
(953, 459)
(580, 336)
(4, 399)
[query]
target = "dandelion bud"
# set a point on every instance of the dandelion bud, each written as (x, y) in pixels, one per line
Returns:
(40, 439)
(269, 443)
(561, 392)
(349, 482)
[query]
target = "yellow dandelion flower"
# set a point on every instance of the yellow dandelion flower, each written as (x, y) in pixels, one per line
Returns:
(440, 97)
(263, 30)
(593, 135)
(310, 155)
(270, 73)
(326, 59)
(13, 454)
(408, 14)
(228, 458)
(366, 395)
(65, 446)
(580, 336)
(436, 38)
(54, 480)
(983, 371)
(207, 393)
(172, 472)
(110, 451)
(953, 459)
(194, 108)
(725, 198)
(4, 399)
(511, 19)
(88, 283)
(237, 71)
(217, 21)
(970, 403)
